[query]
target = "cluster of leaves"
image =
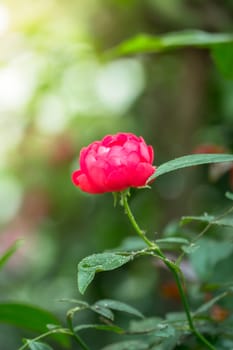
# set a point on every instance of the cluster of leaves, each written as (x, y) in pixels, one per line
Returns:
(146, 333)
(220, 45)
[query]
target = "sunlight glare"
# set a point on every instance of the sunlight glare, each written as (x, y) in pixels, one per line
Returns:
(4, 19)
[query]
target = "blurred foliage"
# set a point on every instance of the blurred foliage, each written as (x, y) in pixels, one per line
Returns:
(60, 90)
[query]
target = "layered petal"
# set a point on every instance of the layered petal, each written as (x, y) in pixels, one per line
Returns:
(115, 163)
(81, 180)
(142, 173)
(118, 179)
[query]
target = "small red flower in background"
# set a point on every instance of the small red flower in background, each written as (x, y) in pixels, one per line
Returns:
(170, 290)
(210, 148)
(219, 313)
(113, 164)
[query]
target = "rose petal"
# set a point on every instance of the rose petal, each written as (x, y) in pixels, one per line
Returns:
(133, 159)
(81, 180)
(131, 145)
(90, 161)
(87, 186)
(118, 179)
(102, 151)
(117, 156)
(75, 177)
(98, 174)
(121, 138)
(151, 154)
(107, 140)
(142, 173)
(144, 152)
(82, 157)
(115, 163)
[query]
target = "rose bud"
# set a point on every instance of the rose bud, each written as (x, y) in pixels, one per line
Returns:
(114, 164)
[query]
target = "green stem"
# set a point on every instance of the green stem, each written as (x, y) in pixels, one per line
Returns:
(134, 222)
(172, 267)
(44, 335)
(75, 335)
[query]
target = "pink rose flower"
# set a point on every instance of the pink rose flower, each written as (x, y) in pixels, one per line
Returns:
(115, 163)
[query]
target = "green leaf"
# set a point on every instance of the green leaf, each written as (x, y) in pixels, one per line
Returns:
(144, 43)
(188, 249)
(119, 306)
(34, 345)
(225, 343)
(210, 253)
(26, 316)
(188, 161)
(223, 58)
(101, 327)
(152, 324)
(229, 195)
(30, 318)
(89, 266)
(10, 251)
(127, 345)
(222, 272)
(206, 306)
(103, 311)
(170, 242)
(176, 317)
(81, 303)
(167, 343)
(225, 221)
(204, 218)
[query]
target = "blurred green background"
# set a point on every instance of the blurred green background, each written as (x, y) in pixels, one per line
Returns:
(58, 92)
